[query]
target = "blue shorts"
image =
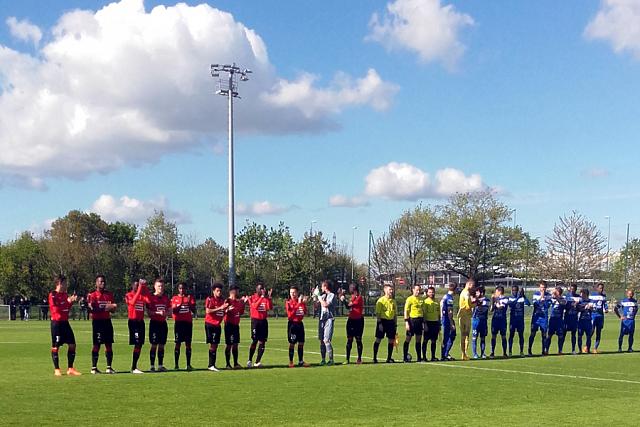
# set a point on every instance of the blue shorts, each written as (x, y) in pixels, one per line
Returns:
(499, 326)
(570, 324)
(597, 321)
(585, 326)
(627, 327)
(479, 327)
(516, 324)
(556, 326)
(539, 323)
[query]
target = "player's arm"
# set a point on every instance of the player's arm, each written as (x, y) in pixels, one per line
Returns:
(616, 310)
(288, 308)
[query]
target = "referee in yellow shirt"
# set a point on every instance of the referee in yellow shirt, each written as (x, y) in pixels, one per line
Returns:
(386, 314)
(413, 323)
(431, 324)
(465, 309)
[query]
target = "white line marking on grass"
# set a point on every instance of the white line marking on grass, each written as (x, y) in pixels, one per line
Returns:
(542, 374)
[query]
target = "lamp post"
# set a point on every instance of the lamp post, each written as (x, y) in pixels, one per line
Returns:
(608, 218)
(313, 221)
(229, 88)
(353, 236)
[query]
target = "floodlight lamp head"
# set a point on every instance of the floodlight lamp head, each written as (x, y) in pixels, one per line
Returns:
(244, 78)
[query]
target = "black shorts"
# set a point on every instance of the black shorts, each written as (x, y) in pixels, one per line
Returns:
(212, 333)
(61, 333)
(231, 334)
(259, 330)
(158, 331)
(102, 331)
(136, 332)
(431, 330)
(183, 332)
(295, 332)
(416, 326)
(386, 327)
(355, 327)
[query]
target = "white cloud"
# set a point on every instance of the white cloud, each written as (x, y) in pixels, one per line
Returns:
(341, 201)
(135, 211)
(425, 27)
(618, 22)
(343, 91)
(125, 86)
(402, 181)
(24, 30)
(261, 208)
(595, 173)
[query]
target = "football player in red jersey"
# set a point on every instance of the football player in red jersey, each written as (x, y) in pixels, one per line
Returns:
(215, 306)
(135, 300)
(259, 305)
(355, 321)
(61, 333)
(232, 326)
(158, 308)
(183, 306)
(101, 305)
(296, 308)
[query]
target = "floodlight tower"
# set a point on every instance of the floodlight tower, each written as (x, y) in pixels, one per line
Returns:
(229, 87)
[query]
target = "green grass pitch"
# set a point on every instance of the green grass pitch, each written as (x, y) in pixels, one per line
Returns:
(599, 389)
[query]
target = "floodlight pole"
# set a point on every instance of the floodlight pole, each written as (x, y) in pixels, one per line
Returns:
(230, 91)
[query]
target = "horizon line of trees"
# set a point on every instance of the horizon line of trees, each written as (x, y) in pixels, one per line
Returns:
(471, 234)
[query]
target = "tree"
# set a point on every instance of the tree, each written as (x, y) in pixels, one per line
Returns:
(476, 235)
(625, 271)
(157, 246)
(24, 268)
(201, 264)
(575, 249)
(409, 244)
(73, 246)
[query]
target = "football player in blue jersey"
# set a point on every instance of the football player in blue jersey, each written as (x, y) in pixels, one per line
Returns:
(479, 323)
(600, 307)
(585, 327)
(499, 305)
(571, 315)
(626, 311)
(540, 317)
(448, 323)
(556, 318)
(517, 301)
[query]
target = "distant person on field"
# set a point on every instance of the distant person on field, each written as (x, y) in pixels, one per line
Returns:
(136, 299)
(556, 318)
(386, 323)
(296, 309)
(479, 318)
(61, 333)
(328, 303)
(499, 305)
(600, 308)
(448, 322)
(626, 311)
(571, 315)
(517, 302)
(413, 323)
(585, 327)
(44, 309)
(259, 305)
(465, 310)
(158, 308)
(431, 324)
(355, 320)
(101, 304)
(540, 317)
(183, 307)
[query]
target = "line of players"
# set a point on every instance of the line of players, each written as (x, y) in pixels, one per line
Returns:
(553, 314)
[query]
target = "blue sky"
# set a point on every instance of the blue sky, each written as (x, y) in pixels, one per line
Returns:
(536, 99)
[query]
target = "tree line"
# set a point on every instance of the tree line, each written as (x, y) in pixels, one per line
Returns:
(81, 245)
(475, 235)
(472, 234)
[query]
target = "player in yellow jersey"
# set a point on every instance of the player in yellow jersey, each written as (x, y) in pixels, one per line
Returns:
(431, 323)
(386, 315)
(465, 309)
(413, 323)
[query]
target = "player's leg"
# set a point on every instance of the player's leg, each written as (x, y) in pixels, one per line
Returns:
(483, 341)
(632, 330)
(254, 342)
(187, 344)
(264, 333)
(178, 344)
(328, 337)
(152, 356)
(323, 348)
(580, 334)
(291, 337)
(494, 340)
(561, 337)
(349, 347)
(161, 358)
(503, 340)
(532, 337)
(301, 340)
(95, 350)
(407, 342)
(234, 353)
(598, 325)
(418, 344)
(358, 337)
(621, 336)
